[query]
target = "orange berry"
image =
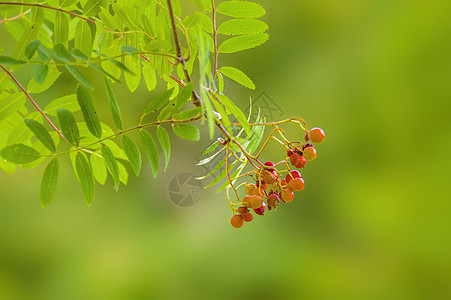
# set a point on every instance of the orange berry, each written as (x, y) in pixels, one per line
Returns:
(309, 153)
(284, 182)
(269, 177)
(301, 162)
(237, 221)
(292, 175)
(273, 200)
(296, 184)
(287, 195)
(250, 188)
(294, 159)
(259, 192)
(242, 210)
(256, 201)
(247, 201)
(247, 217)
(317, 135)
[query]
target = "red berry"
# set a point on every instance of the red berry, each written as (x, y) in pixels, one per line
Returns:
(289, 152)
(247, 217)
(256, 201)
(269, 164)
(293, 174)
(250, 188)
(242, 210)
(309, 153)
(294, 159)
(287, 195)
(296, 184)
(317, 135)
(301, 162)
(261, 210)
(273, 200)
(284, 182)
(237, 221)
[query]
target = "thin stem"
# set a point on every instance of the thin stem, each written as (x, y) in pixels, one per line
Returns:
(15, 17)
(34, 103)
(215, 39)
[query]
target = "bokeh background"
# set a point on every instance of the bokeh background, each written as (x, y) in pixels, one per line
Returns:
(374, 221)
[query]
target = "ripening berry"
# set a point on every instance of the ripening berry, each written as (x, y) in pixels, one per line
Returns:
(287, 195)
(237, 221)
(263, 184)
(242, 210)
(292, 174)
(250, 188)
(261, 210)
(309, 153)
(247, 201)
(256, 201)
(273, 200)
(289, 152)
(269, 177)
(269, 164)
(260, 192)
(247, 217)
(301, 162)
(317, 135)
(296, 184)
(294, 159)
(283, 182)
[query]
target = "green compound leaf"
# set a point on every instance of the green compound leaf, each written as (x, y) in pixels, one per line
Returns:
(186, 131)
(151, 150)
(31, 48)
(98, 168)
(158, 102)
(84, 176)
(68, 126)
(49, 183)
(165, 142)
(178, 102)
(6, 60)
(40, 73)
(80, 78)
(133, 154)
(111, 163)
(89, 112)
(238, 76)
(114, 105)
(19, 154)
(41, 133)
(241, 9)
(243, 42)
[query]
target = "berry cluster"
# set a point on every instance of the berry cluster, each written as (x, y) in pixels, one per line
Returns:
(271, 187)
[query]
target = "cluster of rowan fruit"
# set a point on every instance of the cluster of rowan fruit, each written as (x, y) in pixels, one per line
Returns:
(269, 189)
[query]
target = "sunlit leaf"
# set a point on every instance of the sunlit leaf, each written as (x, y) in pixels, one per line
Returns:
(52, 76)
(41, 133)
(98, 168)
(163, 138)
(188, 114)
(61, 28)
(49, 183)
(83, 38)
(243, 42)
(133, 154)
(234, 110)
(19, 154)
(242, 26)
(238, 76)
(68, 102)
(151, 150)
(156, 103)
(241, 9)
(186, 131)
(178, 102)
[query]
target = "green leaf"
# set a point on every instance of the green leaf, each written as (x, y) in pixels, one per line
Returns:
(123, 174)
(49, 183)
(6, 60)
(101, 70)
(129, 50)
(35, 88)
(114, 105)
(188, 114)
(234, 110)
(19, 154)
(211, 148)
(89, 112)
(238, 76)
(165, 142)
(242, 26)
(98, 168)
(79, 77)
(149, 77)
(41, 133)
(243, 42)
(40, 72)
(133, 154)
(122, 14)
(61, 28)
(10, 104)
(83, 38)
(156, 103)
(68, 102)
(221, 175)
(115, 62)
(61, 53)
(92, 7)
(178, 102)
(84, 175)
(186, 131)
(78, 54)
(111, 163)
(151, 150)
(241, 9)
(31, 48)
(69, 126)
(66, 3)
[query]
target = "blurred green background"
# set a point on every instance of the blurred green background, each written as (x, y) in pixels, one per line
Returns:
(373, 222)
